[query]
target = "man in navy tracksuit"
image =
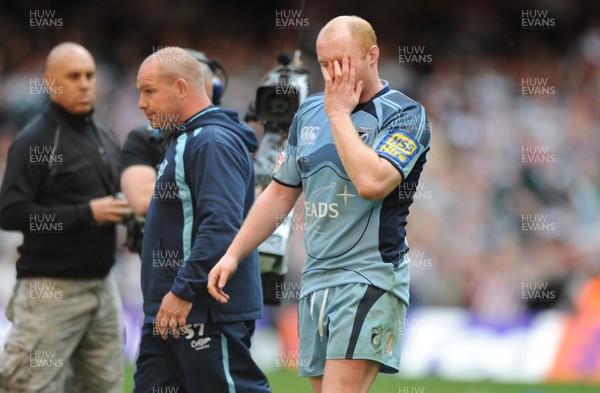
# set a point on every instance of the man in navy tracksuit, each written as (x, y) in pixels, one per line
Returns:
(204, 189)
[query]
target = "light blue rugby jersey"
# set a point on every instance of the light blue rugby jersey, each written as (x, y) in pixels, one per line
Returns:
(349, 239)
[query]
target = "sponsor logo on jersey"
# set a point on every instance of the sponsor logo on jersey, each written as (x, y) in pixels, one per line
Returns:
(398, 146)
(315, 210)
(321, 209)
(308, 134)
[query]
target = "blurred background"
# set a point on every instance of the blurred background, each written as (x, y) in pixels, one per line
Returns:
(504, 230)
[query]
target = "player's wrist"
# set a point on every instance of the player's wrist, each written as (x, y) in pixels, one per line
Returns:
(234, 256)
(338, 116)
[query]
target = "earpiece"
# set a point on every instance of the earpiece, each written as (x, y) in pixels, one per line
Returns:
(220, 78)
(217, 90)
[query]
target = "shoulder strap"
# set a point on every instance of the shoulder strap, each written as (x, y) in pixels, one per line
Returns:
(52, 166)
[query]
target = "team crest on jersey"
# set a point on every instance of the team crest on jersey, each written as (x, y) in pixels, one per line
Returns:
(364, 133)
(399, 146)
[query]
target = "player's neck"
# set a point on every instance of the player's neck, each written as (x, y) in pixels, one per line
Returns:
(370, 90)
(195, 105)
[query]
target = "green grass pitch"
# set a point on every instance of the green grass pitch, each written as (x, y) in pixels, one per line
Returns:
(289, 382)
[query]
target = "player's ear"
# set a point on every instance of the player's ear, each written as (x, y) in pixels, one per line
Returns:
(373, 54)
(182, 87)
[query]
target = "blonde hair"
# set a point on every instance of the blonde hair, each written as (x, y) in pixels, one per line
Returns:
(361, 31)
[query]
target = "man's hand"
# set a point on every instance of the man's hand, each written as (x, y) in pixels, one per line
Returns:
(109, 210)
(342, 91)
(218, 276)
(172, 314)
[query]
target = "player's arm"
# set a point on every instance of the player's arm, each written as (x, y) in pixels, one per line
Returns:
(137, 183)
(139, 174)
(373, 176)
(269, 210)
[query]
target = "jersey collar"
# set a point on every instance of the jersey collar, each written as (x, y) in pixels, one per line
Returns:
(381, 92)
(209, 108)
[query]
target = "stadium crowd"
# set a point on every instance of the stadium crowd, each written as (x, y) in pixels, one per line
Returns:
(510, 198)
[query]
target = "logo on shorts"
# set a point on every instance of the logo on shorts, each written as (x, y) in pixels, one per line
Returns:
(389, 345)
(201, 343)
(376, 338)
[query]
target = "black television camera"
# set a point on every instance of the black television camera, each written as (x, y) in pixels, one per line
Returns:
(278, 97)
(280, 94)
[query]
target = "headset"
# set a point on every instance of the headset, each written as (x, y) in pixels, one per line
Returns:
(220, 79)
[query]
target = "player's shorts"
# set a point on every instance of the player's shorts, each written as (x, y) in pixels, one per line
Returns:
(353, 321)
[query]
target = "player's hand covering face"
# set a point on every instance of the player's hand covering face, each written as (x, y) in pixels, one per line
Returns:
(342, 90)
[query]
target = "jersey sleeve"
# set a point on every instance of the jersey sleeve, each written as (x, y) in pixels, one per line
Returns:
(287, 171)
(404, 139)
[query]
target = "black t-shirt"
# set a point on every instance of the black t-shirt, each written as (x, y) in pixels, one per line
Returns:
(142, 147)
